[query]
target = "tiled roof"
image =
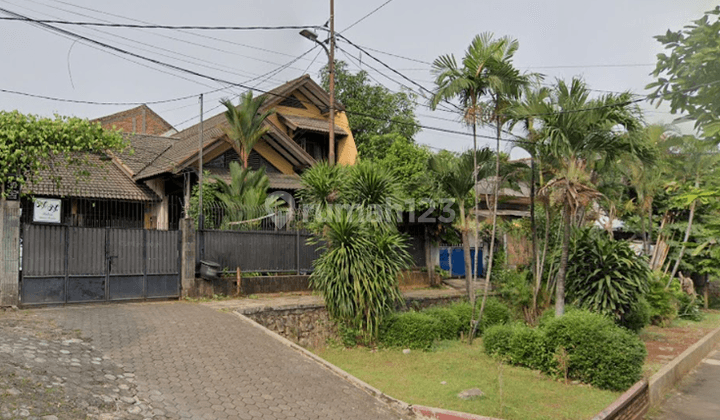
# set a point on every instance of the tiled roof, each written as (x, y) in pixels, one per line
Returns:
(144, 150)
(108, 120)
(277, 181)
(106, 180)
(311, 124)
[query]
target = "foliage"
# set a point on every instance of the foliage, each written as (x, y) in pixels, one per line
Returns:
(662, 302)
(688, 306)
(463, 312)
(373, 110)
(409, 163)
(414, 330)
(687, 76)
(638, 317)
(246, 123)
(449, 322)
(361, 254)
(600, 353)
(604, 275)
(358, 268)
(519, 345)
(496, 313)
(30, 144)
(515, 288)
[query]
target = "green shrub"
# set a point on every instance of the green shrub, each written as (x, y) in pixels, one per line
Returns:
(412, 330)
(600, 353)
(497, 339)
(662, 302)
(449, 322)
(637, 317)
(688, 307)
(495, 313)
(604, 275)
(516, 289)
(463, 311)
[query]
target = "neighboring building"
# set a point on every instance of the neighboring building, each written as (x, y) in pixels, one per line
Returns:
(147, 185)
(512, 202)
(141, 120)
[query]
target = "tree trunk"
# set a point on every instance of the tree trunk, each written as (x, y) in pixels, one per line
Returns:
(684, 243)
(428, 258)
(533, 230)
(466, 249)
(476, 210)
(687, 234)
(643, 229)
(491, 250)
(650, 227)
(560, 284)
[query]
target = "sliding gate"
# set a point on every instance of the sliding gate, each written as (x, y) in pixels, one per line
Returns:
(62, 264)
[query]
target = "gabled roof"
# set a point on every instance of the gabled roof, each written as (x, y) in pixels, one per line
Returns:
(310, 124)
(125, 117)
(185, 151)
(105, 180)
(143, 151)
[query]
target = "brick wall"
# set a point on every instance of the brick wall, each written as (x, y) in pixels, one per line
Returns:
(139, 120)
(632, 405)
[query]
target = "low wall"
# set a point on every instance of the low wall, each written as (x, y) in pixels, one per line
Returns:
(413, 278)
(663, 381)
(310, 325)
(632, 405)
(635, 402)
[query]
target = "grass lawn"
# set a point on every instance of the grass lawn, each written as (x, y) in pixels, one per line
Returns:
(511, 393)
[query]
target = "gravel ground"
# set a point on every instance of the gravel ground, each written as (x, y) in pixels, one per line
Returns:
(51, 374)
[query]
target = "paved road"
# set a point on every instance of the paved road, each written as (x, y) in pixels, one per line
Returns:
(698, 397)
(198, 363)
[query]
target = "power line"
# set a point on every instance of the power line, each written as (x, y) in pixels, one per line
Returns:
(367, 15)
(78, 101)
(138, 26)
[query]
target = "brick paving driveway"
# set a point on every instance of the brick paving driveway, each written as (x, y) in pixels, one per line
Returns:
(198, 363)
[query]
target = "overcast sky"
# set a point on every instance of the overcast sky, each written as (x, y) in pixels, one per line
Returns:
(610, 43)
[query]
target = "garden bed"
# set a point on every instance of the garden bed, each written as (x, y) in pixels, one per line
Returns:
(665, 344)
(511, 393)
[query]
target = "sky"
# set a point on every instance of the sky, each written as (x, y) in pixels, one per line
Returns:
(609, 43)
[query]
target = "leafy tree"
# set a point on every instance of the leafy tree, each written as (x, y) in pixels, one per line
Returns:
(486, 83)
(688, 76)
(372, 110)
(246, 123)
(30, 144)
(580, 133)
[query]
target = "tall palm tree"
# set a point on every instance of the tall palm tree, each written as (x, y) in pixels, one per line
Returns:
(579, 133)
(485, 85)
(245, 199)
(245, 121)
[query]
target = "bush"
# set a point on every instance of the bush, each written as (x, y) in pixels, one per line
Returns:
(497, 339)
(688, 307)
(600, 353)
(638, 317)
(495, 313)
(449, 322)
(516, 289)
(412, 330)
(662, 302)
(604, 275)
(463, 311)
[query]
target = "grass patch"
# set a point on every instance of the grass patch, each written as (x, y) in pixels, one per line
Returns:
(511, 393)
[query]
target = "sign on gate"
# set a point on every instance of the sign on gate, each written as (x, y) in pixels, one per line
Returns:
(47, 210)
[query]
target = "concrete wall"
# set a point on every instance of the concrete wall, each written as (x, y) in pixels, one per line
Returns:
(632, 405)
(9, 253)
(187, 268)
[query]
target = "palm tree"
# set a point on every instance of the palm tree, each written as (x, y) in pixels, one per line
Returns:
(580, 132)
(485, 85)
(245, 198)
(245, 123)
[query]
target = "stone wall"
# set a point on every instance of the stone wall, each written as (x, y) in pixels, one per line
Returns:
(9, 252)
(306, 326)
(311, 326)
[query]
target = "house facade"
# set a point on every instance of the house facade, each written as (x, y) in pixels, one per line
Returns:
(148, 185)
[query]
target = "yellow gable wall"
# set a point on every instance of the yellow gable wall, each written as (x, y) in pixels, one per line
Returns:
(346, 152)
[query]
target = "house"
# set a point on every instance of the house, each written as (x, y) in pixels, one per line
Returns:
(148, 185)
(512, 202)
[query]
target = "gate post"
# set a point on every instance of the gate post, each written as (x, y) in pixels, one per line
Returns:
(9, 253)
(187, 255)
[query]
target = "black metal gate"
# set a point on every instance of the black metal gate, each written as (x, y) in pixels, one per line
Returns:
(63, 264)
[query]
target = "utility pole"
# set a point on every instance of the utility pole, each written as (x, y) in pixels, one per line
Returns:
(331, 154)
(200, 170)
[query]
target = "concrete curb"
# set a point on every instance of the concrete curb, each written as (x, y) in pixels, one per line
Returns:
(440, 414)
(665, 379)
(400, 407)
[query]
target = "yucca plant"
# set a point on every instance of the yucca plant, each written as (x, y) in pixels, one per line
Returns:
(604, 275)
(361, 256)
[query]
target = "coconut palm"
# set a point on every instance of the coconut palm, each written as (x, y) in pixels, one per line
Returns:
(485, 85)
(245, 199)
(245, 123)
(580, 132)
